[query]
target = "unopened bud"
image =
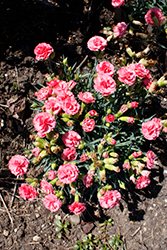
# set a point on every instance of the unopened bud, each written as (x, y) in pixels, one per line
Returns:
(53, 165)
(110, 160)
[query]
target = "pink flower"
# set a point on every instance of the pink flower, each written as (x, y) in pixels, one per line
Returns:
(70, 105)
(86, 97)
(133, 104)
(146, 173)
(124, 108)
(110, 118)
(147, 83)
(97, 43)
(165, 129)
(52, 203)
(51, 175)
(105, 155)
(117, 3)
(104, 84)
(44, 123)
(88, 124)
(151, 129)
(53, 104)
(126, 165)
(43, 51)
(110, 199)
(131, 120)
(137, 154)
(71, 84)
(154, 17)
(84, 157)
(69, 154)
(71, 139)
(27, 192)
(93, 113)
(68, 173)
(43, 93)
(36, 151)
(120, 29)
(88, 180)
(46, 187)
(18, 165)
(105, 68)
(142, 182)
(77, 208)
(113, 142)
(139, 69)
(133, 179)
(150, 159)
(126, 75)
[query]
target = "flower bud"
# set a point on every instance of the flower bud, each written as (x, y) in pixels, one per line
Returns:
(113, 154)
(110, 160)
(65, 119)
(102, 173)
(109, 167)
(109, 111)
(65, 61)
(34, 105)
(100, 148)
(130, 52)
(161, 82)
(53, 165)
(55, 149)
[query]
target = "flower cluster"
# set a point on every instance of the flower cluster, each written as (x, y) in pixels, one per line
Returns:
(90, 130)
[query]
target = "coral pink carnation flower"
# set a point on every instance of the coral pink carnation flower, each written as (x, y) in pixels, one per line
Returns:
(105, 68)
(93, 113)
(150, 159)
(133, 104)
(18, 165)
(110, 118)
(71, 139)
(69, 154)
(126, 165)
(142, 182)
(68, 173)
(88, 124)
(113, 142)
(126, 75)
(46, 187)
(151, 129)
(120, 29)
(86, 97)
(154, 17)
(43, 51)
(104, 84)
(139, 69)
(44, 123)
(70, 105)
(36, 151)
(84, 157)
(51, 174)
(110, 199)
(43, 93)
(27, 192)
(97, 43)
(52, 203)
(124, 108)
(71, 84)
(88, 180)
(117, 3)
(131, 120)
(53, 104)
(77, 208)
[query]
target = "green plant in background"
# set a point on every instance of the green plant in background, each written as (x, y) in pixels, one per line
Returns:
(61, 228)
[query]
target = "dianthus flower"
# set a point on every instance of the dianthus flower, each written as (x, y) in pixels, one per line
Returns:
(77, 207)
(88, 124)
(44, 123)
(52, 203)
(105, 68)
(18, 165)
(151, 129)
(68, 173)
(43, 51)
(120, 29)
(97, 43)
(110, 199)
(46, 187)
(117, 3)
(154, 17)
(27, 192)
(142, 182)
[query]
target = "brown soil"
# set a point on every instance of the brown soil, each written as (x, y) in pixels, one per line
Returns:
(141, 217)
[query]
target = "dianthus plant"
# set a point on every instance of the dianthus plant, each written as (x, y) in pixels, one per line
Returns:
(89, 132)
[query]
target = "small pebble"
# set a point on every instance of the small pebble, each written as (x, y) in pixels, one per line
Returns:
(36, 238)
(75, 219)
(5, 233)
